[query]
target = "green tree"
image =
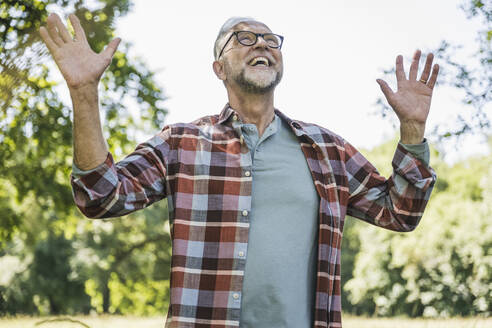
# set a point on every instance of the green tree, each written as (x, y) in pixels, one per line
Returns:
(41, 232)
(472, 81)
(116, 257)
(442, 268)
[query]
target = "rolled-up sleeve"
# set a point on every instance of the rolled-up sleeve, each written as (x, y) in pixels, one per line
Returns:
(396, 203)
(115, 189)
(419, 151)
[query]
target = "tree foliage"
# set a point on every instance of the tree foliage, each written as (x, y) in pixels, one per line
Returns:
(42, 235)
(472, 80)
(444, 267)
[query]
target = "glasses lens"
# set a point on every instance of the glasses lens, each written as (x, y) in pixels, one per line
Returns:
(273, 40)
(246, 38)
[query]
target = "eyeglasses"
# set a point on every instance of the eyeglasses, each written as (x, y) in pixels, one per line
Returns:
(248, 38)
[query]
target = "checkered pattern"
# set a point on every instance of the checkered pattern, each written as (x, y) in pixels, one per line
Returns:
(201, 168)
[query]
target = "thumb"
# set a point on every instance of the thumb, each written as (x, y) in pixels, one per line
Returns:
(388, 93)
(111, 48)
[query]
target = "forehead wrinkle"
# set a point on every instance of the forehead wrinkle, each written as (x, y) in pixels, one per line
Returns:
(242, 25)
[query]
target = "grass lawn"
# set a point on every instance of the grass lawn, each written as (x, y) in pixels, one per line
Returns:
(361, 322)
(158, 322)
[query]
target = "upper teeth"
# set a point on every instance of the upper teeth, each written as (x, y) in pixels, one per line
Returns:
(259, 60)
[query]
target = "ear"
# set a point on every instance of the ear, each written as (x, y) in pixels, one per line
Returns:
(219, 70)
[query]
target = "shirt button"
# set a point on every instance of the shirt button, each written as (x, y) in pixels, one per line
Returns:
(235, 296)
(245, 213)
(241, 253)
(247, 173)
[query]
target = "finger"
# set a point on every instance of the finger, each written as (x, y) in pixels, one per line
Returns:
(111, 48)
(433, 78)
(400, 72)
(53, 31)
(427, 67)
(79, 31)
(414, 67)
(388, 93)
(47, 39)
(62, 30)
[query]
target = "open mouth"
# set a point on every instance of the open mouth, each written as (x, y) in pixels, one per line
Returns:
(260, 62)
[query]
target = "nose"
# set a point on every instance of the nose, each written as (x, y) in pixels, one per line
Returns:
(261, 43)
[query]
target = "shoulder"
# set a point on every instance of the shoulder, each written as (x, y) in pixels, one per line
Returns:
(321, 135)
(206, 127)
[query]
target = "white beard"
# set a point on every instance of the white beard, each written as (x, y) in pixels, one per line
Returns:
(264, 79)
(255, 81)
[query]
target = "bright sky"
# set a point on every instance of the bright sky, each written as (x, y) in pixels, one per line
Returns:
(333, 52)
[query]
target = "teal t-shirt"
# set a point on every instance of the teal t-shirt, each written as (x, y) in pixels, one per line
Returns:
(280, 275)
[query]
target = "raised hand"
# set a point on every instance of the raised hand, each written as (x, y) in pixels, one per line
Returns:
(411, 102)
(82, 68)
(79, 65)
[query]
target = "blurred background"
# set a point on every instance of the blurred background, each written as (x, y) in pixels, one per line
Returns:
(54, 261)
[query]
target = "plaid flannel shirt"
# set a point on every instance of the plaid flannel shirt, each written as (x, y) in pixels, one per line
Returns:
(203, 168)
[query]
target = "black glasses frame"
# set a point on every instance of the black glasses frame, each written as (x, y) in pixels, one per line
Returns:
(256, 40)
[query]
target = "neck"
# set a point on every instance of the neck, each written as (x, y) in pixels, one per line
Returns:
(253, 108)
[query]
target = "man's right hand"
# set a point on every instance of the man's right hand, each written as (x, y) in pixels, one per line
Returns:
(82, 68)
(79, 65)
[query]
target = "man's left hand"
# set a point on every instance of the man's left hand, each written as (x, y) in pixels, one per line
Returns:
(412, 100)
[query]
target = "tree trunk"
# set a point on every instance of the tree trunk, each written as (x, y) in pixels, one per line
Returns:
(106, 295)
(54, 308)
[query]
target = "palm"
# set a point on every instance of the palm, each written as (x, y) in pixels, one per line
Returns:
(77, 62)
(411, 102)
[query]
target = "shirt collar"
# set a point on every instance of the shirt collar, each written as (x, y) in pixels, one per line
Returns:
(296, 126)
(300, 129)
(226, 113)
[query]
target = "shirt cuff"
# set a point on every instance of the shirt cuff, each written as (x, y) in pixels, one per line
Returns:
(77, 172)
(420, 151)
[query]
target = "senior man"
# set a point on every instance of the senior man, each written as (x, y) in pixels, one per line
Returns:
(257, 201)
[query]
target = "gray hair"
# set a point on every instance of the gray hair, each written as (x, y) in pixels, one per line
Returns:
(228, 25)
